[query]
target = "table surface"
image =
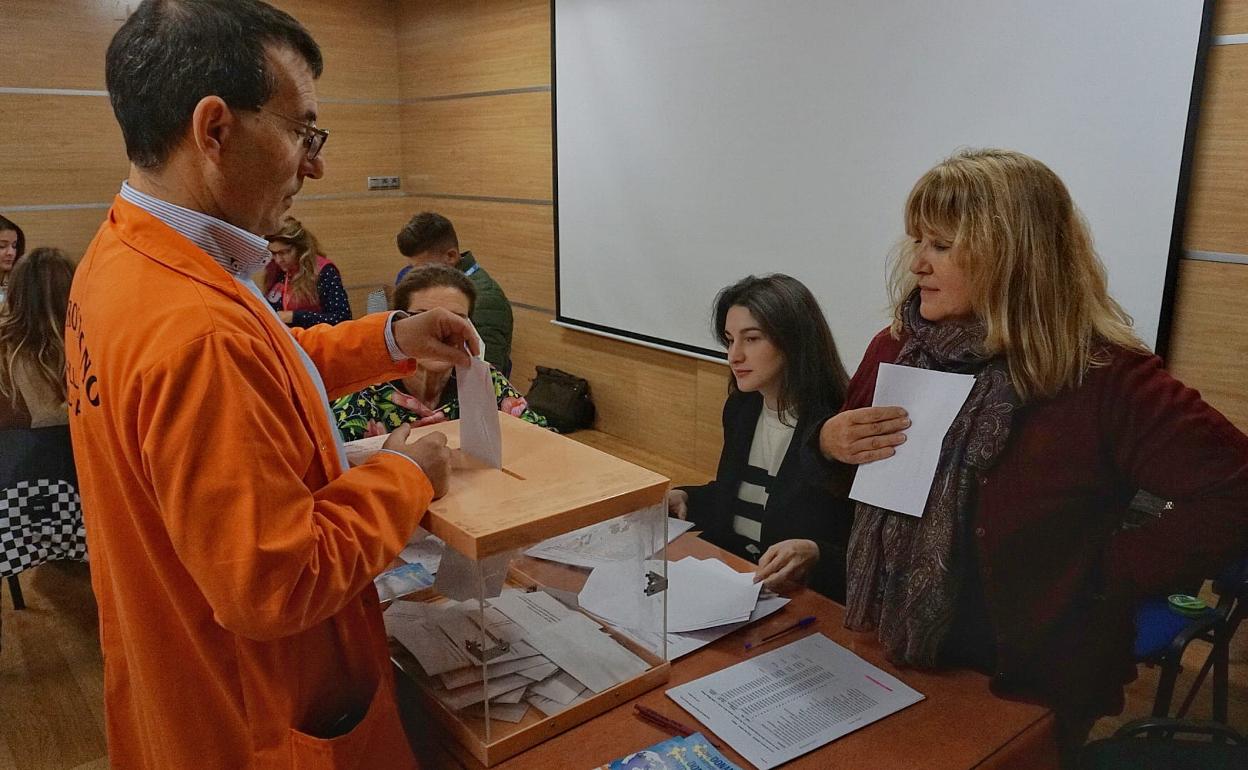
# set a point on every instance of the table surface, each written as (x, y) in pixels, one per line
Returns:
(958, 725)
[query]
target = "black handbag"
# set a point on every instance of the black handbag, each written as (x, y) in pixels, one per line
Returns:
(562, 398)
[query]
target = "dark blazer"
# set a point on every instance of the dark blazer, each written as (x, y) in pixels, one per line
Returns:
(1061, 577)
(796, 508)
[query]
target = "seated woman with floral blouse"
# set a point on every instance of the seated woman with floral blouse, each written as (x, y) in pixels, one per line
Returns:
(428, 395)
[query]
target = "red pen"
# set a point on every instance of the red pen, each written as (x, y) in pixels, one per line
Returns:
(658, 720)
(803, 623)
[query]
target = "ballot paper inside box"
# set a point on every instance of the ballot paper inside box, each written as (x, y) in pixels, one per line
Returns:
(503, 656)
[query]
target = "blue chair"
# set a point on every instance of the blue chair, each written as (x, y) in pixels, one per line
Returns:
(1162, 636)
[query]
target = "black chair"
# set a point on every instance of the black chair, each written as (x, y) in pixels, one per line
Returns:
(40, 513)
(1167, 744)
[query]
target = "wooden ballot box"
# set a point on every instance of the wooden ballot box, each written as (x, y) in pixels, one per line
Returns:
(502, 652)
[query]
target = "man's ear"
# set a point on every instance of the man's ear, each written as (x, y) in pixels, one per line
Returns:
(452, 257)
(213, 123)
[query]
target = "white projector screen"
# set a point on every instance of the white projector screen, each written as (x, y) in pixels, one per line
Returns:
(698, 141)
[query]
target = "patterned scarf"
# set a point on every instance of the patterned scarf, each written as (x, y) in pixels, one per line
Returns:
(905, 573)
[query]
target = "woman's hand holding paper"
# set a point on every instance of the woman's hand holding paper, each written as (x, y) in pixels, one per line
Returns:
(857, 436)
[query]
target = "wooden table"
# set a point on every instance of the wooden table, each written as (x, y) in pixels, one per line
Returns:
(959, 725)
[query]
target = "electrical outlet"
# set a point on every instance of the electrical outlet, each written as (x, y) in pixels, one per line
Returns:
(383, 183)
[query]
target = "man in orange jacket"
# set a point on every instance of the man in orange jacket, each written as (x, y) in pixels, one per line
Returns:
(232, 550)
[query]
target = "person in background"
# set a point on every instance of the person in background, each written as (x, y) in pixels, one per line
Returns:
(427, 395)
(233, 549)
(786, 378)
(12, 247)
(430, 239)
(1019, 566)
(302, 285)
(32, 341)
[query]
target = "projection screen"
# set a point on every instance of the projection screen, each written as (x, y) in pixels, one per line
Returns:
(698, 141)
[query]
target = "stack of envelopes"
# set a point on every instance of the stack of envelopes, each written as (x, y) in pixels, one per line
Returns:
(540, 653)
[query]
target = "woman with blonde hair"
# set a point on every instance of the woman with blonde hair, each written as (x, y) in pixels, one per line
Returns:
(1019, 565)
(32, 341)
(302, 285)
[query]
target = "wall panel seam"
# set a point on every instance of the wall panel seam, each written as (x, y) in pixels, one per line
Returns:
(360, 195)
(540, 89)
(1216, 256)
(38, 91)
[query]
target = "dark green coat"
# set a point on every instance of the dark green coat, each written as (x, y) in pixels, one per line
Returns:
(492, 314)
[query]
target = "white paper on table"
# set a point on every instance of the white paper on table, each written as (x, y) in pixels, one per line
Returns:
(562, 687)
(551, 707)
(475, 693)
(615, 591)
(424, 548)
(699, 595)
(531, 610)
(787, 702)
(576, 645)
(621, 539)
(462, 578)
(507, 712)
(932, 400)
(470, 674)
(680, 645)
(479, 431)
(411, 624)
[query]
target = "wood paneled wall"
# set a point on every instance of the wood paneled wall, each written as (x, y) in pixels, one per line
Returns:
(65, 157)
(1209, 340)
(454, 96)
(463, 143)
(475, 76)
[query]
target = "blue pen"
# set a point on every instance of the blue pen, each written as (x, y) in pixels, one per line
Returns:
(803, 623)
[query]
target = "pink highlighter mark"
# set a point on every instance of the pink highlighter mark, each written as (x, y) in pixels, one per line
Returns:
(881, 684)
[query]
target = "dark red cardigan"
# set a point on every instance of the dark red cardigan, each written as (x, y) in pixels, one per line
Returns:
(1061, 578)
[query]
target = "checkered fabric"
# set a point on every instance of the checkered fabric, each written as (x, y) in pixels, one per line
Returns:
(40, 520)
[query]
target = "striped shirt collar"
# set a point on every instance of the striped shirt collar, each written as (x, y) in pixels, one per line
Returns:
(239, 252)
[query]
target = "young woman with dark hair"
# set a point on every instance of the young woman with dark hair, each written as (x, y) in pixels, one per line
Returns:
(786, 378)
(12, 246)
(32, 341)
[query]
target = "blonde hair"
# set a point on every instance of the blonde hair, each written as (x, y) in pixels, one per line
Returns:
(1033, 276)
(32, 324)
(303, 283)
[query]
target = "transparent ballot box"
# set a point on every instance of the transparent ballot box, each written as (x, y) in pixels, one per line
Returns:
(547, 604)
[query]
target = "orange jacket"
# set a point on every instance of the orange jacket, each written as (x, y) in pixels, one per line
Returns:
(231, 558)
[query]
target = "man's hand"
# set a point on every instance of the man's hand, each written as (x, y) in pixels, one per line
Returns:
(286, 316)
(436, 335)
(429, 452)
(786, 564)
(858, 436)
(678, 504)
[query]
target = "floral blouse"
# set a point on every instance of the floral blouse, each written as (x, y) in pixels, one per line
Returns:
(379, 409)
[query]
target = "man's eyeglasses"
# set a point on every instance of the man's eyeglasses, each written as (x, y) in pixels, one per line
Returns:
(314, 138)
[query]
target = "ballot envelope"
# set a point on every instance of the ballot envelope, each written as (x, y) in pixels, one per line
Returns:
(500, 652)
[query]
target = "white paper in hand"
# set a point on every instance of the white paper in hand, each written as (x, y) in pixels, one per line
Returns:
(479, 432)
(932, 401)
